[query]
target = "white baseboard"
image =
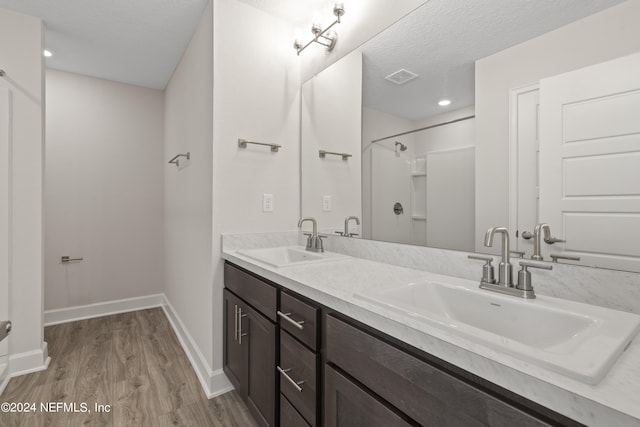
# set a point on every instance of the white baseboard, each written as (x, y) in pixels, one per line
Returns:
(29, 361)
(214, 383)
(79, 312)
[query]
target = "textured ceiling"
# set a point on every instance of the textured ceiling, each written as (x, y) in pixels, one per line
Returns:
(440, 42)
(132, 41)
(141, 41)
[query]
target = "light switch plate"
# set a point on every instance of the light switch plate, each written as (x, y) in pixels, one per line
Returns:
(267, 202)
(326, 203)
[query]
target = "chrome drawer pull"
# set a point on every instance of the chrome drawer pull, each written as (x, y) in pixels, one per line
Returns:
(297, 324)
(293, 383)
(240, 334)
(235, 320)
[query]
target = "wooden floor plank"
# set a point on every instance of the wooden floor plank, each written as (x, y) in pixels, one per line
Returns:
(133, 365)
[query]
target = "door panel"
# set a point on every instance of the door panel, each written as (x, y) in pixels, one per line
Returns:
(346, 404)
(590, 162)
(258, 334)
(235, 357)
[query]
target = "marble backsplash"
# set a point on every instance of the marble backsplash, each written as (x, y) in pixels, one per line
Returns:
(619, 290)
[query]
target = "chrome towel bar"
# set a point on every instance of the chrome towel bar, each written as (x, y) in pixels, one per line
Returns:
(324, 153)
(242, 143)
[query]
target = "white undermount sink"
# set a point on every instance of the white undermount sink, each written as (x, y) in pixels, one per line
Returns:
(578, 340)
(289, 255)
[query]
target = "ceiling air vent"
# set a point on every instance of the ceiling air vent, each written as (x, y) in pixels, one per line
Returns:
(401, 76)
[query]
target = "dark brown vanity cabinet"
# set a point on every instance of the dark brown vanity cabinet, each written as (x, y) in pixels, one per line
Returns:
(298, 364)
(250, 342)
(367, 375)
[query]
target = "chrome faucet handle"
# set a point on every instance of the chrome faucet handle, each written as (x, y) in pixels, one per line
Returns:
(552, 240)
(524, 277)
(556, 257)
(518, 254)
(487, 269)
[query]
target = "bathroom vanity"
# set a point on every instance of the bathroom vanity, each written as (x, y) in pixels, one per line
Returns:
(317, 355)
(353, 375)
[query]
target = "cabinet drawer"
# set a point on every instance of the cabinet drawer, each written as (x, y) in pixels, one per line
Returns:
(298, 376)
(289, 417)
(299, 319)
(425, 393)
(261, 295)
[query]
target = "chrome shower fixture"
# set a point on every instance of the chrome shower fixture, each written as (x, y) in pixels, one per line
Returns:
(402, 146)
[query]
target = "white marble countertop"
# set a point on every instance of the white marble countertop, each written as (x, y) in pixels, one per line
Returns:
(615, 401)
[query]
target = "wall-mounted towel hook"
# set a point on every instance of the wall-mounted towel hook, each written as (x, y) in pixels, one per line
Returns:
(242, 143)
(175, 160)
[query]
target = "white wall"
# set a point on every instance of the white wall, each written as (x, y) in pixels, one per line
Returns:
(256, 97)
(609, 34)
(332, 121)
(188, 189)
(104, 190)
(21, 59)
(447, 137)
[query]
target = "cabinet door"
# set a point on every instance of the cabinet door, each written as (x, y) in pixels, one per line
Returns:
(348, 405)
(235, 357)
(258, 334)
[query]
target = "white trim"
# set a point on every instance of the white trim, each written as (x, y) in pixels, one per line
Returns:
(514, 93)
(29, 361)
(213, 383)
(79, 312)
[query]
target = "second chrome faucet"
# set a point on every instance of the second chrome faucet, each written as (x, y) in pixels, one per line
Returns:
(505, 284)
(314, 241)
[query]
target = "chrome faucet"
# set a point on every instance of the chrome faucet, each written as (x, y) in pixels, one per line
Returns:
(505, 270)
(314, 241)
(523, 288)
(538, 232)
(346, 225)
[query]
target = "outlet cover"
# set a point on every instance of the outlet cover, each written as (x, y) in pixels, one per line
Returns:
(326, 203)
(267, 202)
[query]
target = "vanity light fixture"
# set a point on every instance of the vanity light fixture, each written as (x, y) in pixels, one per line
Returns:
(326, 37)
(444, 102)
(47, 53)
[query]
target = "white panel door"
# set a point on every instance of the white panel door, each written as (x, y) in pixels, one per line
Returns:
(451, 199)
(590, 162)
(5, 236)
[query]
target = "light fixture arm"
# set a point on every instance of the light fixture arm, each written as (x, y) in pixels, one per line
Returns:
(326, 37)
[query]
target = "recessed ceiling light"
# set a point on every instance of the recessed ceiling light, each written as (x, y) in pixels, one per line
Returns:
(47, 53)
(444, 102)
(401, 76)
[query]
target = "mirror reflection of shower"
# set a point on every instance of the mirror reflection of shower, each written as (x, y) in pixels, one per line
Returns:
(402, 148)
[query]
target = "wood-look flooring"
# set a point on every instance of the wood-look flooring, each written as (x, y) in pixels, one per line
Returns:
(130, 361)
